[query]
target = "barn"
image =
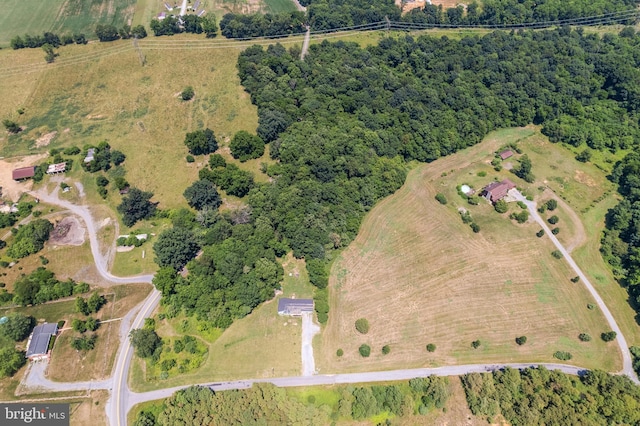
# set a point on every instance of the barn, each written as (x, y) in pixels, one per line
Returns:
(38, 345)
(294, 307)
(24, 173)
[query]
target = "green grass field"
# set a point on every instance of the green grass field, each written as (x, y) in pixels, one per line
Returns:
(279, 6)
(61, 16)
(419, 275)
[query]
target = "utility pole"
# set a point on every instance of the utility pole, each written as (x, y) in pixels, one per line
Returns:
(386, 18)
(141, 57)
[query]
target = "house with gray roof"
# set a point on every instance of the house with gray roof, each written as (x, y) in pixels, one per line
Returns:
(38, 345)
(294, 307)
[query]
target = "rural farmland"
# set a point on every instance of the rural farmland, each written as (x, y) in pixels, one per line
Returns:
(419, 275)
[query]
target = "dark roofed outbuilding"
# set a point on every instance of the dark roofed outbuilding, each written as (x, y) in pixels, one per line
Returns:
(39, 340)
(294, 307)
(24, 173)
(506, 154)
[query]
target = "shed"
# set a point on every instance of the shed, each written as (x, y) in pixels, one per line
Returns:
(294, 307)
(497, 190)
(90, 153)
(24, 173)
(506, 154)
(38, 345)
(56, 168)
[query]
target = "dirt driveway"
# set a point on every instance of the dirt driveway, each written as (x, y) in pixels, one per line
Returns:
(10, 188)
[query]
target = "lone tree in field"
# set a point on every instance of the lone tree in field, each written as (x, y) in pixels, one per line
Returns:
(187, 93)
(552, 204)
(136, 206)
(364, 350)
(553, 219)
(524, 171)
(201, 194)
(386, 349)
(362, 325)
(584, 337)
(201, 142)
(441, 198)
(11, 126)
(475, 344)
(609, 336)
(521, 340)
(431, 347)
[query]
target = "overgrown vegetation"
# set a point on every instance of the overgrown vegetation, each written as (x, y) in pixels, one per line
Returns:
(273, 405)
(41, 286)
(594, 398)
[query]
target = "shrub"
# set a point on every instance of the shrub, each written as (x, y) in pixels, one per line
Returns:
(102, 181)
(190, 158)
(575, 279)
(540, 233)
(482, 174)
(609, 336)
(591, 306)
(521, 340)
(364, 350)
(386, 349)
(431, 347)
(553, 219)
(362, 325)
(556, 254)
(475, 227)
(552, 204)
(522, 205)
(542, 208)
(563, 356)
(441, 198)
(501, 206)
(475, 344)
(187, 93)
(555, 231)
(584, 337)
(339, 352)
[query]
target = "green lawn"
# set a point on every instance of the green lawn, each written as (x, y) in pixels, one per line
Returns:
(20, 17)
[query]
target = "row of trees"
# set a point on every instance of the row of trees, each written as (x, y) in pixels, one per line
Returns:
(108, 32)
(336, 14)
(47, 38)
(41, 286)
(189, 24)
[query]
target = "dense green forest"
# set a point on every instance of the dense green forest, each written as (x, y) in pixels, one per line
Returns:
(325, 15)
(266, 404)
(537, 396)
(343, 124)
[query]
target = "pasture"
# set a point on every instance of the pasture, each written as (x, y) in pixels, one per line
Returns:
(419, 275)
(33, 17)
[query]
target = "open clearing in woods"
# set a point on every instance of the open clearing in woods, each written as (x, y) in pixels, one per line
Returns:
(419, 275)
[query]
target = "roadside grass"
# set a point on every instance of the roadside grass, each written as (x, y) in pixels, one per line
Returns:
(90, 411)
(97, 363)
(156, 407)
(60, 16)
(279, 6)
(419, 275)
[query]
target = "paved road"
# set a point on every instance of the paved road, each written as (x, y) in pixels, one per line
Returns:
(331, 379)
(627, 364)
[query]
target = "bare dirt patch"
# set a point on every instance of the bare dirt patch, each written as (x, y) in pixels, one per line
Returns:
(45, 139)
(585, 179)
(68, 232)
(11, 189)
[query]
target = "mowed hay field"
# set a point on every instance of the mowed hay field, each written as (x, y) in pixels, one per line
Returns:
(19, 17)
(105, 94)
(419, 275)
